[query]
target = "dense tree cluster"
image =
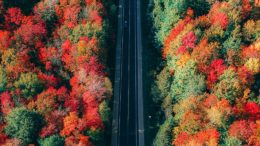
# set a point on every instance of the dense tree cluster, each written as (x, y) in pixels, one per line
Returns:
(54, 87)
(209, 86)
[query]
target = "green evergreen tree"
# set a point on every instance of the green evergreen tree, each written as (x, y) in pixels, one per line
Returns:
(164, 135)
(3, 79)
(229, 86)
(24, 125)
(29, 84)
(54, 140)
(104, 112)
(187, 82)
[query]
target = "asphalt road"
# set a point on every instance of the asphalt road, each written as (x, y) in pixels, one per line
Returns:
(127, 126)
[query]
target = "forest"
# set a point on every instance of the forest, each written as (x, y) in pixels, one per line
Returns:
(208, 84)
(55, 86)
(57, 72)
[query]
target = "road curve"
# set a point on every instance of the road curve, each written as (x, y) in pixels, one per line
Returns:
(127, 124)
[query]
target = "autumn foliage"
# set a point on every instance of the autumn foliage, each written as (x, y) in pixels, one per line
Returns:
(53, 66)
(210, 81)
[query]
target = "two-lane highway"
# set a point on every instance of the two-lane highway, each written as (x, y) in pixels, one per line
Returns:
(127, 128)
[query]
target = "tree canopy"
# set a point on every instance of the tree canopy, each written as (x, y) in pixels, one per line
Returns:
(211, 54)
